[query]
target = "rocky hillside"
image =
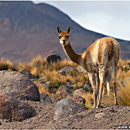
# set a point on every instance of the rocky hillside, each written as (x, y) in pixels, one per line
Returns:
(28, 29)
(22, 107)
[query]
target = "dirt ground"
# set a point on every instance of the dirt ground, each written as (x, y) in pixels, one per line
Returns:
(108, 117)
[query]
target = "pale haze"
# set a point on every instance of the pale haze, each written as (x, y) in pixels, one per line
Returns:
(111, 18)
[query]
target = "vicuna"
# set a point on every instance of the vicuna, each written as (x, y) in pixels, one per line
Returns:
(96, 61)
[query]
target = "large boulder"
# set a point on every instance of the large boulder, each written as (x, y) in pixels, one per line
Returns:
(14, 109)
(53, 58)
(67, 107)
(18, 85)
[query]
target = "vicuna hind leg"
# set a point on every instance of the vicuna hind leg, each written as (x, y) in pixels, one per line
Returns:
(114, 73)
(93, 81)
(107, 80)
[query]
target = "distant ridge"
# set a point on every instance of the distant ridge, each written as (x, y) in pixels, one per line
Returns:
(28, 29)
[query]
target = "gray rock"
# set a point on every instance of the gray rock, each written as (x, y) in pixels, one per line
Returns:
(79, 99)
(64, 89)
(42, 80)
(100, 115)
(45, 98)
(78, 92)
(67, 107)
(47, 87)
(18, 85)
(67, 69)
(57, 97)
(53, 58)
(70, 85)
(14, 109)
(28, 74)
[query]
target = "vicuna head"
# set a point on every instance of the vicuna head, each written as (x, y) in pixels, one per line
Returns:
(64, 36)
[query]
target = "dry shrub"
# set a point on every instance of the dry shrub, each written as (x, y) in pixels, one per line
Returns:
(88, 99)
(23, 66)
(37, 61)
(120, 75)
(123, 95)
(42, 89)
(5, 64)
(34, 71)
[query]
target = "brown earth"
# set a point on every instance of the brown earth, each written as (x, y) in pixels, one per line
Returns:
(108, 117)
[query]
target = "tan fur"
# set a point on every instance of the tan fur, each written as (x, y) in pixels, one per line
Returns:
(96, 60)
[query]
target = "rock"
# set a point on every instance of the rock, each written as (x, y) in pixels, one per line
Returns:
(53, 58)
(67, 69)
(18, 85)
(67, 107)
(28, 74)
(78, 92)
(64, 89)
(45, 98)
(70, 84)
(79, 99)
(57, 97)
(99, 115)
(14, 109)
(42, 80)
(47, 87)
(62, 92)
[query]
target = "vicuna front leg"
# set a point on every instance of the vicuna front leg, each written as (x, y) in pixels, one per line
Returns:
(114, 72)
(101, 77)
(94, 80)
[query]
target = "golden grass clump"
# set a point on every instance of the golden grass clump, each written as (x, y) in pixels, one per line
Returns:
(5, 64)
(37, 61)
(88, 98)
(42, 89)
(123, 94)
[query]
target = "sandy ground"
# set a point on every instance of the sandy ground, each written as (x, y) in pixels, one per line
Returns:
(108, 117)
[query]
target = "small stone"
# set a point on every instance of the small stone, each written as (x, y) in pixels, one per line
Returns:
(99, 115)
(79, 99)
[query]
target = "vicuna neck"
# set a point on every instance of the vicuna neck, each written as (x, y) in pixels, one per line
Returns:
(75, 57)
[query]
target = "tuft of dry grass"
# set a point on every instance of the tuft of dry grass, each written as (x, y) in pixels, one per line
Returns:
(88, 99)
(5, 64)
(42, 89)
(123, 94)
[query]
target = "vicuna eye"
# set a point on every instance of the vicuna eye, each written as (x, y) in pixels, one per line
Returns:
(67, 36)
(60, 37)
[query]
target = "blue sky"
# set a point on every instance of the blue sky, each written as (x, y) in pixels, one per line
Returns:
(107, 17)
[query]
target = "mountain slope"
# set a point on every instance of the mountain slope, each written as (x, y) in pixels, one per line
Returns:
(28, 29)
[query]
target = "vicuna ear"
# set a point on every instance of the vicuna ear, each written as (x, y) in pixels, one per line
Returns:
(58, 29)
(68, 30)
